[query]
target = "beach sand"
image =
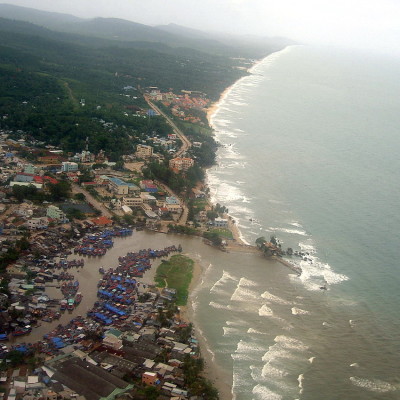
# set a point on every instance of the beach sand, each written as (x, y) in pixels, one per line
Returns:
(214, 106)
(211, 371)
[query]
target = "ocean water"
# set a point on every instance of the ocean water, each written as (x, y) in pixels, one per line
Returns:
(309, 153)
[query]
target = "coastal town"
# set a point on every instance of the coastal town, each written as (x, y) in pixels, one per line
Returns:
(59, 210)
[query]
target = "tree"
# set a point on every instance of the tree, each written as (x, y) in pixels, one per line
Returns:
(60, 190)
(79, 196)
(211, 214)
(213, 237)
(74, 213)
(151, 393)
(260, 241)
(119, 165)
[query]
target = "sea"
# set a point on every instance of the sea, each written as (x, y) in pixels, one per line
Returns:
(308, 153)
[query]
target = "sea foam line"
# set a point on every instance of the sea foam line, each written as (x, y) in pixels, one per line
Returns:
(375, 385)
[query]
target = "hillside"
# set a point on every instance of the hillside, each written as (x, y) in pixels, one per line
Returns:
(61, 87)
(44, 78)
(127, 33)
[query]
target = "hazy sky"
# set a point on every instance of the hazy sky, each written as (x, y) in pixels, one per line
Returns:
(360, 23)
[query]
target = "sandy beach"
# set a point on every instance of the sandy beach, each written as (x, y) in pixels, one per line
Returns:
(211, 370)
(214, 106)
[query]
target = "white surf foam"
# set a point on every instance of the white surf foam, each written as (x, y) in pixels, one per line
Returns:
(287, 230)
(300, 380)
(299, 311)
(248, 351)
(352, 323)
(219, 306)
(296, 224)
(290, 343)
(226, 277)
(229, 331)
(275, 299)
(356, 365)
(316, 274)
(255, 332)
(261, 392)
(374, 385)
(265, 311)
(236, 323)
(243, 291)
(270, 371)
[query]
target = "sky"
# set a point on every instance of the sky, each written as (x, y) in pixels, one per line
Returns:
(365, 24)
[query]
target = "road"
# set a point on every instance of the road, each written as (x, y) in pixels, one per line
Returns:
(183, 218)
(186, 143)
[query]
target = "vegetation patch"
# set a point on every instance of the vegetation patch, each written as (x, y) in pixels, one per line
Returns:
(223, 233)
(176, 273)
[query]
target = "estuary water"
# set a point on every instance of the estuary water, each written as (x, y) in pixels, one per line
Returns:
(309, 153)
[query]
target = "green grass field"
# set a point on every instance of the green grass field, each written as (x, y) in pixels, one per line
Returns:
(223, 233)
(177, 274)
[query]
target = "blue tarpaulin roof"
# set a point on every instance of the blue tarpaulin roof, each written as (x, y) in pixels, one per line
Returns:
(105, 293)
(114, 309)
(106, 320)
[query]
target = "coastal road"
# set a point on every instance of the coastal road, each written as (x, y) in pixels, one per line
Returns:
(186, 144)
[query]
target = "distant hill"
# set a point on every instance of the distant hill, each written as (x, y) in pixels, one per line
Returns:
(38, 17)
(60, 75)
(124, 32)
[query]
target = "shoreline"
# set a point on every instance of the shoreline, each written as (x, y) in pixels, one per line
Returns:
(211, 371)
(213, 107)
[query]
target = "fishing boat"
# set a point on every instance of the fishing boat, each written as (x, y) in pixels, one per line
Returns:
(71, 304)
(22, 331)
(78, 297)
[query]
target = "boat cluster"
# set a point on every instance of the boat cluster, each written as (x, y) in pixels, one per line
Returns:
(118, 288)
(98, 244)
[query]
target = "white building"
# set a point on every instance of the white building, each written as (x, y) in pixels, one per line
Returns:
(181, 163)
(54, 212)
(220, 223)
(68, 166)
(132, 201)
(37, 223)
(116, 204)
(127, 210)
(119, 186)
(143, 151)
(173, 204)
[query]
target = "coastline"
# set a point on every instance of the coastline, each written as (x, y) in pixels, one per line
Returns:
(212, 109)
(187, 313)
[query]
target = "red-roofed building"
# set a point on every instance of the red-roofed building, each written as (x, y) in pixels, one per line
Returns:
(90, 184)
(102, 221)
(43, 179)
(50, 179)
